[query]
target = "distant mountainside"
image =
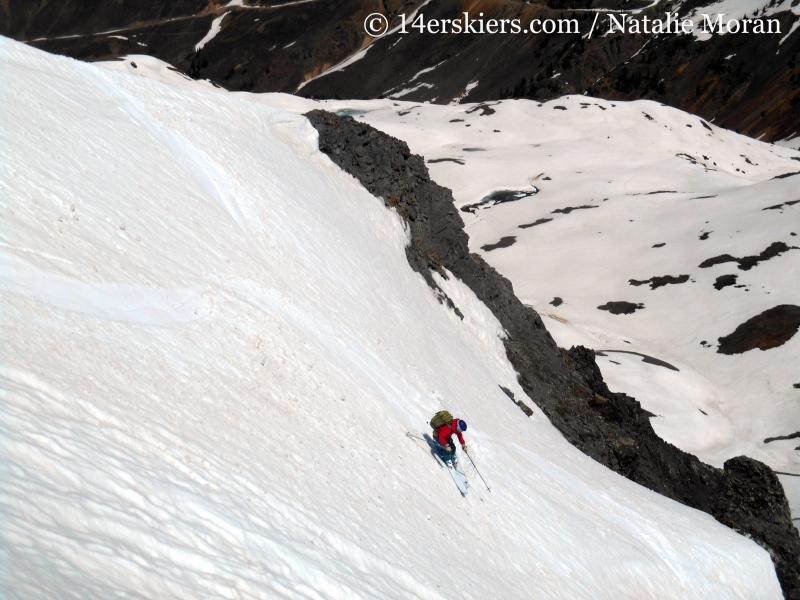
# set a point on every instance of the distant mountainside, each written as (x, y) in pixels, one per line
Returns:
(746, 82)
(262, 47)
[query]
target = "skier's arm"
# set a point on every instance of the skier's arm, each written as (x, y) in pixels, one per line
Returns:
(442, 436)
(460, 437)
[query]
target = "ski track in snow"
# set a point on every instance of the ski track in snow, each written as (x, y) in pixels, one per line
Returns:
(212, 347)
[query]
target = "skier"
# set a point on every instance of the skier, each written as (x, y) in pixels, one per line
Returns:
(445, 427)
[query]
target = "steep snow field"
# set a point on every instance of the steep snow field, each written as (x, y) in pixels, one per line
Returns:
(212, 350)
(631, 191)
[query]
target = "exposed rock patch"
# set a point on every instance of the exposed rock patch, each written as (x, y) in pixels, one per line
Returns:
(657, 282)
(535, 223)
(785, 175)
(504, 242)
(645, 359)
(567, 386)
(621, 307)
(569, 209)
(458, 161)
(499, 197)
(557, 301)
(780, 206)
(748, 262)
(486, 109)
(523, 407)
(791, 436)
(770, 329)
(724, 281)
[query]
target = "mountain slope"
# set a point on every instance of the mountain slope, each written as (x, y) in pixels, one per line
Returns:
(745, 82)
(567, 385)
(582, 202)
(212, 350)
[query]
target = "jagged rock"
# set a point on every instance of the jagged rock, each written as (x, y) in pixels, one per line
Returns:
(524, 407)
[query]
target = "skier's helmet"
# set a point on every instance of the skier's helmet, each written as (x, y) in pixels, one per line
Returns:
(462, 425)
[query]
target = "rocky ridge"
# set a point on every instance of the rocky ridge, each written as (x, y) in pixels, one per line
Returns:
(567, 386)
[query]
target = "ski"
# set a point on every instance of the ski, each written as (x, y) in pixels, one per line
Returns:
(458, 476)
(460, 479)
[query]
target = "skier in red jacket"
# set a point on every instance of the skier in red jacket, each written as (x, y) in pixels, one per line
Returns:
(445, 436)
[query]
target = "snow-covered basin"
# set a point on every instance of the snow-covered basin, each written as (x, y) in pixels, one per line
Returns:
(654, 191)
(212, 350)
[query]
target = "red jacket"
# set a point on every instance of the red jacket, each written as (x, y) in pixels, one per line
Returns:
(445, 431)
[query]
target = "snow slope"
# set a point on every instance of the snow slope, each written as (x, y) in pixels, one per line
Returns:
(631, 191)
(212, 350)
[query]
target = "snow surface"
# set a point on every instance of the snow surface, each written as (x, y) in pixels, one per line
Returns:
(216, 27)
(153, 68)
(212, 350)
(650, 175)
(792, 142)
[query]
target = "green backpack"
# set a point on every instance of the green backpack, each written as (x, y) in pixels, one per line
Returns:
(440, 419)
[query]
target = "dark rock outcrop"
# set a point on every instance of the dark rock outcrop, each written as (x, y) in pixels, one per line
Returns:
(621, 307)
(535, 223)
(650, 360)
(657, 282)
(523, 407)
(567, 386)
(748, 262)
(724, 281)
(504, 242)
(770, 329)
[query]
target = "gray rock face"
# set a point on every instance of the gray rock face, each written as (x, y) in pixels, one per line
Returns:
(567, 386)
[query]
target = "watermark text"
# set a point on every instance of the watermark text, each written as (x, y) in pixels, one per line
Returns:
(377, 25)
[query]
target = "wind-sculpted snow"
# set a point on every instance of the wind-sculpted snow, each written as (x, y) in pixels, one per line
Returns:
(208, 376)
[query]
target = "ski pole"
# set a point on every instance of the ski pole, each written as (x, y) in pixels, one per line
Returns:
(479, 473)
